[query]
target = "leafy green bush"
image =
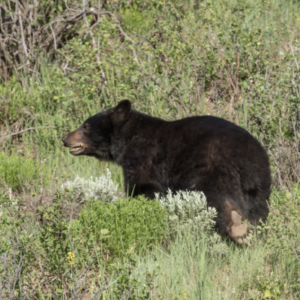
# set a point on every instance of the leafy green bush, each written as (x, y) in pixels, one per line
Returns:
(137, 20)
(20, 173)
(121, 228)
(35, 246)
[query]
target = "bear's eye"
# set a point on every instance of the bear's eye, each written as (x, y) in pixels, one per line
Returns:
(86, 127)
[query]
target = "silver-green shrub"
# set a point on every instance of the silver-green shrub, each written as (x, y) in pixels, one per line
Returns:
(188, 210)
(96, 188)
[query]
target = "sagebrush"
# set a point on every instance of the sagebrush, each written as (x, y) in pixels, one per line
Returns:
(100, 188)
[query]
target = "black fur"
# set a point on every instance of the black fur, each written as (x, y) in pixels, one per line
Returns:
(204, 153)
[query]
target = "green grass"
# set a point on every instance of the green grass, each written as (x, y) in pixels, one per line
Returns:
(18, 173)
(234, 59)
(189, 270)
(186, 267)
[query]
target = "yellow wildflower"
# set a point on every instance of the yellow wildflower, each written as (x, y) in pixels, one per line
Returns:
(71, 258)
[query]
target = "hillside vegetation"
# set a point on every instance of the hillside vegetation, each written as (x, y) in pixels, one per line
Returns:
(67, 229)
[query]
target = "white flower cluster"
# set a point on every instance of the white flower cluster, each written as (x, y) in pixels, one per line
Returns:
(188, 208)
(96, 188)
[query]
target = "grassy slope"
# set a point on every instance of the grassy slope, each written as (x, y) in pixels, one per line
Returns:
(237, 59)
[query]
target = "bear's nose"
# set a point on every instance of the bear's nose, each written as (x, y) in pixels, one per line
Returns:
(64, 138)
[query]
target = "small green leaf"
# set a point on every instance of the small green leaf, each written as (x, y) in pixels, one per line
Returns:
(104, 231)
(267, 294)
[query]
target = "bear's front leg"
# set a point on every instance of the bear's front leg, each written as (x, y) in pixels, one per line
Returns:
(146, 189)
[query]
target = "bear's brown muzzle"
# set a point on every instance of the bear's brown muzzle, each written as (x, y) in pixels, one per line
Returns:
(73, 141)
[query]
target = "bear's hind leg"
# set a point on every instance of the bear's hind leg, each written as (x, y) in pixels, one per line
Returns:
(236, 225)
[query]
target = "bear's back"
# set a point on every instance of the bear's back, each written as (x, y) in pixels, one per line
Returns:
(210, 134)
(204, 150)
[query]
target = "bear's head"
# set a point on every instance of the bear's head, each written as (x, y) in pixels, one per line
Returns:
(93, 137)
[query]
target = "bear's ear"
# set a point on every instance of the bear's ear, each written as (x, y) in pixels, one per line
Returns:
(121, 111)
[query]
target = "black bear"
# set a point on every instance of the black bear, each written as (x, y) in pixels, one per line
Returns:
(202, 153)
